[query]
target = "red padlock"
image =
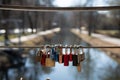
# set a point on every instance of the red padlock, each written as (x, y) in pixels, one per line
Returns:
(43, 59)
(66, 58)
(70, 55)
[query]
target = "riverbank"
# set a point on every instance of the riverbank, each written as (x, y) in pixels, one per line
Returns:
(33, 39)
(39, 38)
(99, 41)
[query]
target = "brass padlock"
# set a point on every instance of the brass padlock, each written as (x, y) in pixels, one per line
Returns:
(79, 60)
(39, 56)
(60, 56)
(82, 55)
(49, 62)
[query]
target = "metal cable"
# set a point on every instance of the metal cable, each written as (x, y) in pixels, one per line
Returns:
(50, 9)
(42, 46)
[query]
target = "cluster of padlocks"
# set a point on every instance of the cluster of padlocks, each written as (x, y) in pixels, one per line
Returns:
(47, 56)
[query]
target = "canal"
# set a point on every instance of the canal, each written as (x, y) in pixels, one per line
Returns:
(97, 65)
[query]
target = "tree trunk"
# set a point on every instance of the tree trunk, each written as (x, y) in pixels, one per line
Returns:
(119, 24)
(90, 23)
(31, 22)
(36, 20)
(5, 15)
(23, 22)
(23, 17)
(43, 20)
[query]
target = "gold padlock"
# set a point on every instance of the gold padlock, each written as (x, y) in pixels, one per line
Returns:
(49, 62)
(60, 56)
(82, 55)
(39, 56)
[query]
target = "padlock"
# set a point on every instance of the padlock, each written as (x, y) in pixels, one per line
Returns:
(60, 56)
(49, 62)
(75, 58)
(82, 54)
(43, 59)
(39, 56)
(54, 55)
(82, 57)
(79, 55)
(79, 60)
(70, 55)
(66, 58)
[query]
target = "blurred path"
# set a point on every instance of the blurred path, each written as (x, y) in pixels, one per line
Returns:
(112, 40)
(32, 36)
(106, 38)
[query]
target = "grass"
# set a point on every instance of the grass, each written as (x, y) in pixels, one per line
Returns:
(112, 33)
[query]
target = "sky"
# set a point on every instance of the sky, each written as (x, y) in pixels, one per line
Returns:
(72, 3)
(67, 3)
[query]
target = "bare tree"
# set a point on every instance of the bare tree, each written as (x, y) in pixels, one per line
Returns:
(6, 14)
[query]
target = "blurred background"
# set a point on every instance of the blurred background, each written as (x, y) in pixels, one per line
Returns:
(86, 28)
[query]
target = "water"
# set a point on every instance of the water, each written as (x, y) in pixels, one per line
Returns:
(97, 65)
